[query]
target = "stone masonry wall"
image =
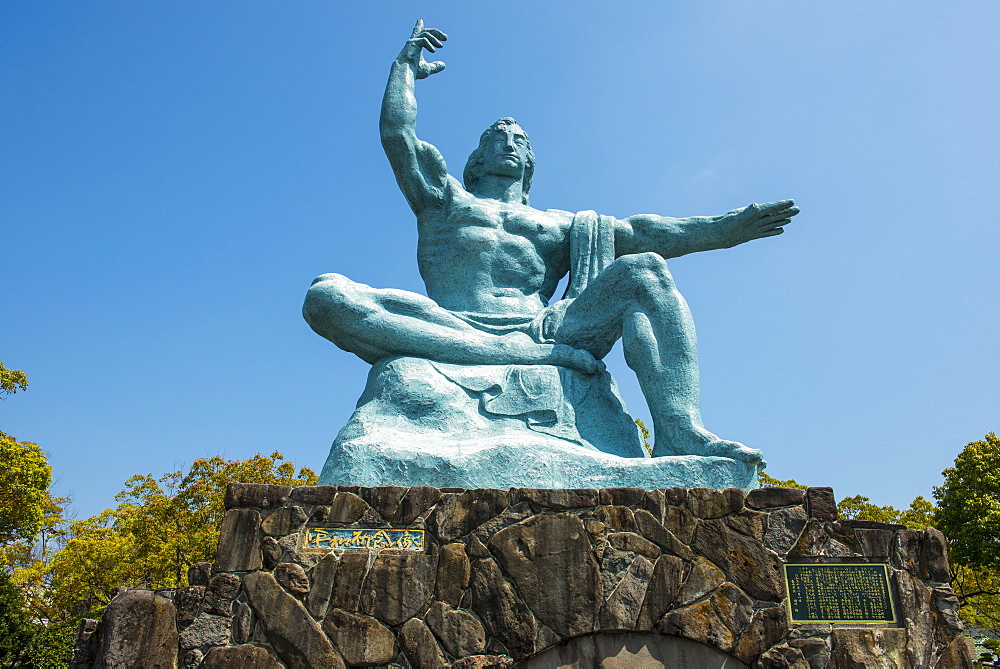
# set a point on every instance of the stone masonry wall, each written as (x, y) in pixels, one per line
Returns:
(508, 575)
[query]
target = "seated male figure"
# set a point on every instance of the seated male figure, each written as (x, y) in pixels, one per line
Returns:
(491, 264)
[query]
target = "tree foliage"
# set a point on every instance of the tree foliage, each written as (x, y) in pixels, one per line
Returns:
(29, 519)
(160, 527)
(11, 381)
(969, 505)
(25, 477)
(771, 482)
(969, 515)
(919, 515)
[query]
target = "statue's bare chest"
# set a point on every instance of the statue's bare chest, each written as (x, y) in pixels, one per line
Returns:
(489, 222)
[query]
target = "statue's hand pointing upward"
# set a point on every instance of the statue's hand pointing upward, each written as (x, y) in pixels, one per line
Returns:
(421, 38)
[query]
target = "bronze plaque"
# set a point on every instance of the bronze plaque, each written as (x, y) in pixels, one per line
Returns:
(839, 593)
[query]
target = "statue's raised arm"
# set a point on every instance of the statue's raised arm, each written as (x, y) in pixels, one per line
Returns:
(419, 167)
(674, 237)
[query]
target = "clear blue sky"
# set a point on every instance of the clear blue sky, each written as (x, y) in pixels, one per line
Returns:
(174, 174)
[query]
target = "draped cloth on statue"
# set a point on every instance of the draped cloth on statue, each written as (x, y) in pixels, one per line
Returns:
(423, 422)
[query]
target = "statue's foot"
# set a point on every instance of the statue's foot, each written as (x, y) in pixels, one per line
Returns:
(694, 440)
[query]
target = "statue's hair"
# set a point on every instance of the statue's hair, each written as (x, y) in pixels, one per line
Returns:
(474, 166)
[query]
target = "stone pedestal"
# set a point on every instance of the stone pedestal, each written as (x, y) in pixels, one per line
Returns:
(619, 577)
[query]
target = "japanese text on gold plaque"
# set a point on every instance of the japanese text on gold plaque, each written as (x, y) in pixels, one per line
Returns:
(838, 593)
(363, 539)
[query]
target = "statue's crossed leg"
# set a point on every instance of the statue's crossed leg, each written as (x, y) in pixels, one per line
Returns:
(634, 299)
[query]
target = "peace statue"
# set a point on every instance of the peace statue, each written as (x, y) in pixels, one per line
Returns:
(487, 383)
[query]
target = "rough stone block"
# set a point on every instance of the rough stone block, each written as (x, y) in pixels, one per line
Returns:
(286, 520)
(820, 504)
(199, 573)
(414, 503)
(256, 495)
(882, 647)
(784, 527)
(622, 604)
(484, 662)
(453, 574)
(698, 622)
(630, 541)
(749, 522)
(459, 631)
(457, 514)
(509, 516)
(708, 503)
(505, 616)
(239, 544)
(314, 494)
(187, 601)
(771, 498)
(680, 522)
(735, 609)
(767, 627)
(207, 630)
(292, 578)
(622, 496)
(323, 576)
(398, 586)
(661, 536)
(675, 496)
(703, 579)
(289, 628)
(549, 558)
(220, 593)
(736, 498)
(85, 645)
(556, 499)
(350, 577)
(347, 508)
(362, 640)
(270, 551)
(244, 657)
(419, 645)
(619, 518)
(934, 557)
(756, 570)
(138, 629)
(242, 623)
(664, 584)
(384, 499)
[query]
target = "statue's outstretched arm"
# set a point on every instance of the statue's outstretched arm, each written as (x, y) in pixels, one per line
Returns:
(419, 168)
(673, 237)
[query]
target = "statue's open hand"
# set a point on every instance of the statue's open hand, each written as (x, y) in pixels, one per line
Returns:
(753, 222)
(422, 38)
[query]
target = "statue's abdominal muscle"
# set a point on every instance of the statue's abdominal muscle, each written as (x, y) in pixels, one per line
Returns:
(485, 259)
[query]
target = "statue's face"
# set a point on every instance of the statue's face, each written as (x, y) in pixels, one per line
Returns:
(506, 153)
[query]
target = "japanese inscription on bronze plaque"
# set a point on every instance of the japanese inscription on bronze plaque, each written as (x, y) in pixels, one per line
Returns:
(839, 593)
(355, 538)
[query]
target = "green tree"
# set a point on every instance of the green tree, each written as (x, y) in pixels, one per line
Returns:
(25, 477)
(16, 629)
(160, 527)
(969, 515)
(919, 515)
(771, 482)
(969, 504)
(30, 518)
(11, 380)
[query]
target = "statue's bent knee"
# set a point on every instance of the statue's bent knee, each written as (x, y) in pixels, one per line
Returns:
(328, 297)
(646, 270)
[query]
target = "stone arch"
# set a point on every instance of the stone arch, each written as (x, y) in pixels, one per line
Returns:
(626, 650)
